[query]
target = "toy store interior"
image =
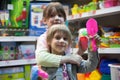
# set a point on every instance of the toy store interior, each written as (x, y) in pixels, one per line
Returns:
(21, 24)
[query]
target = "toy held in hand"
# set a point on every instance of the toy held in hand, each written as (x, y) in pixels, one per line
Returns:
(42, 74)
(92, 29)
(37, 73)
(83, 40)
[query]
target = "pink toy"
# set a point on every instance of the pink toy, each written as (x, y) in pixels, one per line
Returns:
(38, 74)
(42, 74)
(92, 29)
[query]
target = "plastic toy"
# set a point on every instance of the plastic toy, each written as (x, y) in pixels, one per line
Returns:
(83, 40)
(80, 76)
(95, 75)
(23, 15)
(38, 73)
(74, 9)
(92, 5)
(2, 18)
(92, 29)
(42, 74)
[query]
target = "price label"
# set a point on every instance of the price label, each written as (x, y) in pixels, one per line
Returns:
(10, 6)
(76, 16)
(91, 13)
(80, 15)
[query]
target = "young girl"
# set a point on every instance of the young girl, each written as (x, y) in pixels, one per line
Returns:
(53, 14)
(59, 39)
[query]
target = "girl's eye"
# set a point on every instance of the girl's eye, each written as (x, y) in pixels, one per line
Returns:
(52, 15)
(60, 15)
(57, 37)
(65, 38)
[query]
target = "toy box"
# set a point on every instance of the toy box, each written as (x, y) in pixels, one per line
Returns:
(12, 73)
(19, 13)
(15, 76)
(8, 50)
(37, 27)
(4, 18)
(110, 3)
(27, 50)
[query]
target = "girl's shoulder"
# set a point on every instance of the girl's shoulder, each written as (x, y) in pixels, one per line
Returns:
(42, 36)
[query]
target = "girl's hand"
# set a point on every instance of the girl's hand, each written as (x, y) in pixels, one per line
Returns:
(75, 59)
(97, 40)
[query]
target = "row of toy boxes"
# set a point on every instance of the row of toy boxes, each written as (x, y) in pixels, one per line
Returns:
(15, 73)
(110, 37)
(15, 50)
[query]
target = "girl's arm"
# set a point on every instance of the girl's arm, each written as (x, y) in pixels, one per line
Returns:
(90, 64)
(93, 59)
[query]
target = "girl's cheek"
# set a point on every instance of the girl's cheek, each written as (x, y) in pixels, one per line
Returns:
(66, 42)
(62, 19)
(50, 20)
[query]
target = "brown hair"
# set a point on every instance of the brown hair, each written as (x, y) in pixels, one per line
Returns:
(54, 8)
(58, 28)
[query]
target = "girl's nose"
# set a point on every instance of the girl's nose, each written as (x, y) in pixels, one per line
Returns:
(61, 40)
(57, 17)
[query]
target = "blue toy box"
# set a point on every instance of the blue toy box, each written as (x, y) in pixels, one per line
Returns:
(37, 27)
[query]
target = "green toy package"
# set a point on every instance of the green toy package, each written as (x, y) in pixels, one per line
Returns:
(19, 14)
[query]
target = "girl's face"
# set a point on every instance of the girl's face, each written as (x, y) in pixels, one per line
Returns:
(59, 43)
(54, 19)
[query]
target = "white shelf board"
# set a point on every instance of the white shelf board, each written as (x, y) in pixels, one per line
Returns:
(17, 38)
(104, 50)
(17, 62)
(109, 50)
(97, 13)
(32, 61)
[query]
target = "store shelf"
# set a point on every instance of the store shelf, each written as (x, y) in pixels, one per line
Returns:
(32, 61)
(17, 62)
(97, 13)
(17, 38)
(104, 50)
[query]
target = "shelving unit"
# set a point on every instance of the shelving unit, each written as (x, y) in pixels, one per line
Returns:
(7, 63)
(97, 13)
(32, 61)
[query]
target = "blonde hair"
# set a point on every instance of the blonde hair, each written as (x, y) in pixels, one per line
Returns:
(58, 28)
(54, 8)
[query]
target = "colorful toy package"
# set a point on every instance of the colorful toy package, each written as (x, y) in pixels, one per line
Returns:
(27, 50)
(12, 73)
(19, 14)
(8, 50)
(37, 27)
